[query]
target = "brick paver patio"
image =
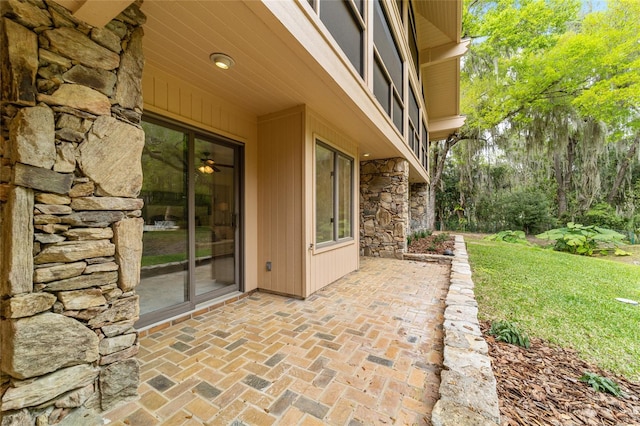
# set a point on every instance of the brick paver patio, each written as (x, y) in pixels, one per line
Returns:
(365, 350)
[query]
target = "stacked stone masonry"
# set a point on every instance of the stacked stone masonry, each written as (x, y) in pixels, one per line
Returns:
(70, 152)
(468, 395)
(418, 199)
(384, 207)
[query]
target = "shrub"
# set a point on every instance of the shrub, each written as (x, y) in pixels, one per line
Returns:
(528, 210)
(602, 214)
(441, 238)
(583, 240)
(509, 236)
(601, 384)
(508, 332)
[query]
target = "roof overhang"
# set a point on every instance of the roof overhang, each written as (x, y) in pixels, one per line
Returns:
(97, 13)
(438, 25)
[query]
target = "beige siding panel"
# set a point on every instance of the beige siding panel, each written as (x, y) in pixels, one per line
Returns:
(174, 100)
(186, 103)
(161, 93)
(169, 96)
(332, 265)
(280, 191)
(326, 265)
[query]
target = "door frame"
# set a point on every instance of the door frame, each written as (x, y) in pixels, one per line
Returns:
(194, 300)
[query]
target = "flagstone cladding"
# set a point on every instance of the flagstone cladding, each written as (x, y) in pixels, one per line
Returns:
(70, 175)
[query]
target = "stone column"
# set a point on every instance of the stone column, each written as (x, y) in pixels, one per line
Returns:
(418, 199)
(71, 227)
(384, 207)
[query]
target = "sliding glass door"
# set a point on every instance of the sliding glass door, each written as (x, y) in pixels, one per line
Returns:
(192, 211)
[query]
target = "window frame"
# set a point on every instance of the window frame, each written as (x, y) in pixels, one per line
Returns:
(335, 196)
(397, 95)
(357, 11)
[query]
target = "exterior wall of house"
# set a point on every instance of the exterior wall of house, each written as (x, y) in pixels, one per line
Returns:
(280, 171)
(171, 97)
(384, 207)
(71, 232)
(287, 205)
(327, 264)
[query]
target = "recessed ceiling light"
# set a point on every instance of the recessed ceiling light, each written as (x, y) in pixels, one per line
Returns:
(222, 61)
(366, 154)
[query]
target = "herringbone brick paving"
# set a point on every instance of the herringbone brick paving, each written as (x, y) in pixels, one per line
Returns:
(365, 350)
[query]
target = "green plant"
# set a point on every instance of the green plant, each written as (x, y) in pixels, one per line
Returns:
(509, 236)
(579, 239)
(601, 384)
(566, 300)
(441, 238)
(604, 215)
(508, 332)
(409, 240)
(528, 210)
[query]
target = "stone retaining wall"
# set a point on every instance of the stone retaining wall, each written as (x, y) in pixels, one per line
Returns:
(468, 395)
(70, 153)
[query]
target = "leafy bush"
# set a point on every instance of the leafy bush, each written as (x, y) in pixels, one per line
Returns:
(528, 210)
(509, 236)
(601, 384)
(508, 332)
(579, 239)
(602, 214)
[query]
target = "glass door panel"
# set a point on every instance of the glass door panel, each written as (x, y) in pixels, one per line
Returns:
(164, 278)
(216, 216)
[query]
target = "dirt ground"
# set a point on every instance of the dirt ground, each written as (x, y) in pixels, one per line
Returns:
(540, 386)
(431, 244)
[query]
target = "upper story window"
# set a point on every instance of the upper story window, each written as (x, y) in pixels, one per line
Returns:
(425, 147)
(345, 21)
(413, 41)
(388, 81)
(414, 123)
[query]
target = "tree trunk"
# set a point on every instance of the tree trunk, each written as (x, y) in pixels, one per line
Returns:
(622, 171)
(563, 176)
(439, 156)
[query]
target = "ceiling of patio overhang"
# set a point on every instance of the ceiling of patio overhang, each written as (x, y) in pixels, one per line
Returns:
(180, 36)
(438, 24)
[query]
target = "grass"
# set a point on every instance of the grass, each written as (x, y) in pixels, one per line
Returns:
(566, 299)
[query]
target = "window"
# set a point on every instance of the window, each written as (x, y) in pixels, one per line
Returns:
(344, 20)
(425, 147)
(388, 69)
(414, 123)
(413, 43)
(334, 195)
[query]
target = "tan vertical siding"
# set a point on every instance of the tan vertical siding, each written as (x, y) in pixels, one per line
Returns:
(328, 264)
(280, 171)
(171, 97)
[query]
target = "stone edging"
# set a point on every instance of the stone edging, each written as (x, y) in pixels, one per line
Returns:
(468, 394)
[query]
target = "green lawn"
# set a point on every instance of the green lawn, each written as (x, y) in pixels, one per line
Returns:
(566, 299)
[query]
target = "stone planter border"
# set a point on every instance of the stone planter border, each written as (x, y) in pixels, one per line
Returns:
(468, 395)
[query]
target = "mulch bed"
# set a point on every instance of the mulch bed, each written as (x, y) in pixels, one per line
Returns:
(431, 245)
(540, 386)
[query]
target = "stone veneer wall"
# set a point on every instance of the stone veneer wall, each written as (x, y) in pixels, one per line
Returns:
(70, 153)
(418, 199)
(384, 207)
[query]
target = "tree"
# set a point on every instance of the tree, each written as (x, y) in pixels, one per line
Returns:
(551, 88)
